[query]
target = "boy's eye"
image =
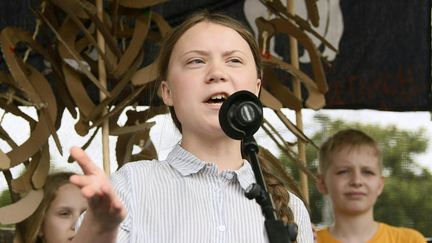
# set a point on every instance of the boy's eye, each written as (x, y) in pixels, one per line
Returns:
(369, 172)
(341, 172)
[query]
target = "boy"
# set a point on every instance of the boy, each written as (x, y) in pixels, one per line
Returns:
(351, 174)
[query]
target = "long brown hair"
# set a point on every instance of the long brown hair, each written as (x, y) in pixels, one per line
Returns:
(32, 225)
(275, 186)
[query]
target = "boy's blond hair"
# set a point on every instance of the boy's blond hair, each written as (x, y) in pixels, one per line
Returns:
(348, 138)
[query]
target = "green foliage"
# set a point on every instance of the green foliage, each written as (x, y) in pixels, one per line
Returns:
(5, 199)
(406, 200)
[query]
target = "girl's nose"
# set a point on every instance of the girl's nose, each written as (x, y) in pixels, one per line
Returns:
(216, 73)
(76, 221)
(73, 225)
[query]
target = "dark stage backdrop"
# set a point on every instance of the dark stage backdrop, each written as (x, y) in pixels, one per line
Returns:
(384, 57)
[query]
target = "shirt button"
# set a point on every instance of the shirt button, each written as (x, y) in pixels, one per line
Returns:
(221, 227)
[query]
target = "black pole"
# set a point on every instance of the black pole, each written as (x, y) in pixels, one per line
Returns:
(277, 231)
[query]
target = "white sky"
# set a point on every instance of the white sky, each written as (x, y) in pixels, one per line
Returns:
(164, 141)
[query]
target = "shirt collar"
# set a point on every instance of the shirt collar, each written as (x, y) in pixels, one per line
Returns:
(183, 161)
(186, 164)
(245, 175)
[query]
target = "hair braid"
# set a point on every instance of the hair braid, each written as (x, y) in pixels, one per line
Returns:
(279, 194)
(277, 186)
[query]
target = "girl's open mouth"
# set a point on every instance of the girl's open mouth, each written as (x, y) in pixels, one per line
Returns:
(217, 99)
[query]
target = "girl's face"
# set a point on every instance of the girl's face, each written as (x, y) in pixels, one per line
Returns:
(353, 180)
(208, 63)
(61, 216)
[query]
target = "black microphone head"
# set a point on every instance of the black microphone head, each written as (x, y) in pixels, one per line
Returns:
(241, 115)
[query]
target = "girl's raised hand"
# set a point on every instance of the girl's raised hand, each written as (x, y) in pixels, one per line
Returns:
(105, 208)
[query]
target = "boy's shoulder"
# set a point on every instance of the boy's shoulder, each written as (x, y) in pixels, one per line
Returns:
(386, 234)
(400, 234)
(322, 234)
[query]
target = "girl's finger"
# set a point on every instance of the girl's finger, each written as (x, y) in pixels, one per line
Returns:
(81, 180)
(83, 160)
(110, 196)
(91, 191)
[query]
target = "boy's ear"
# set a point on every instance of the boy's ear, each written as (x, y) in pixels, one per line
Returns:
(381, 185)
(320, 184)
(166, 93)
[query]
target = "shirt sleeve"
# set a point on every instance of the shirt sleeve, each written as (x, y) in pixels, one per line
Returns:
(302, 219)
(122, 188)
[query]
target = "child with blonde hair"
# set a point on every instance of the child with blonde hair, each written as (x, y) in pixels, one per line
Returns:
(350, 168)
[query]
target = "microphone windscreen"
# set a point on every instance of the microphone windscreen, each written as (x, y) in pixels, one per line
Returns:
(241, 115)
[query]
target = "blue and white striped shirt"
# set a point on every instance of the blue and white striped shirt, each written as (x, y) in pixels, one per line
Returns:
(185, 200)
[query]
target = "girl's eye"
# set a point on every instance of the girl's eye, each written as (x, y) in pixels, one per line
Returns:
(64, 213)
(235, 60)
(195, 61)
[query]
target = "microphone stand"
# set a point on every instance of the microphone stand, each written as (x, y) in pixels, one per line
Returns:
(277, 231)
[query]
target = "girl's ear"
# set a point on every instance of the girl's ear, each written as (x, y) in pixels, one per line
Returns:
(320, 184)
(166, 93)
(258, 87)
(40, 233)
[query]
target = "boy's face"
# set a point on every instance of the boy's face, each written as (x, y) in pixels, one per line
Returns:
(353, 180)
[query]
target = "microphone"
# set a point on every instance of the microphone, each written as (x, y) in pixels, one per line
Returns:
(241, 115)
